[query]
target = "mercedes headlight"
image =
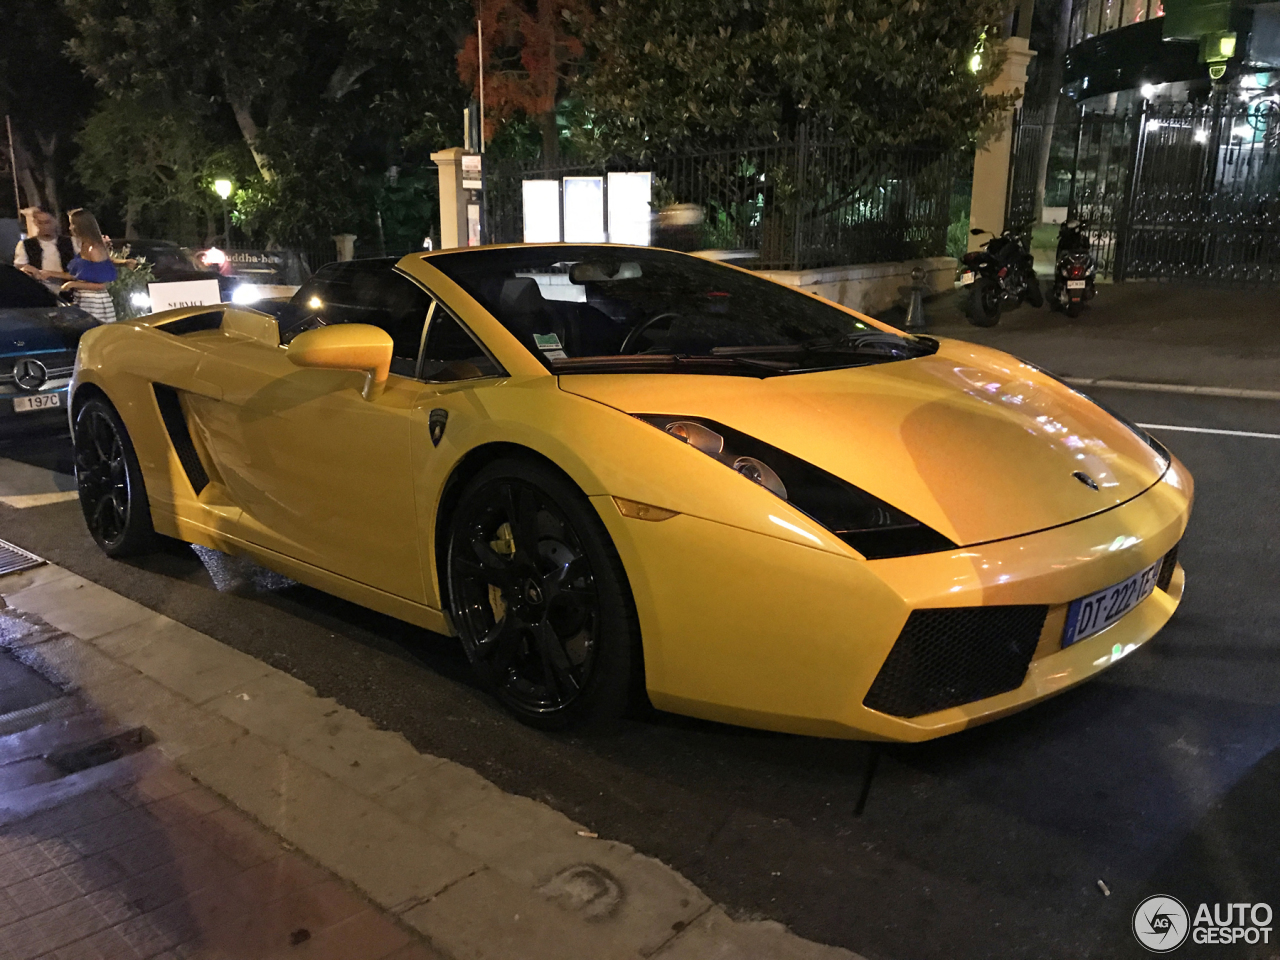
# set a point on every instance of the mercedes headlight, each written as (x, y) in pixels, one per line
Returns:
(875, 529)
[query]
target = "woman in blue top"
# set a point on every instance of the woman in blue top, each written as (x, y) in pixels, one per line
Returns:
(91, 270)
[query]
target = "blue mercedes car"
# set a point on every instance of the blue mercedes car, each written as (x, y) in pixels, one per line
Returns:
(38, 340)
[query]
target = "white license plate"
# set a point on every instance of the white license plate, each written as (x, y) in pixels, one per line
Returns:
(966, 278)
(1096, 612)
(1075, 284)
(41, 401)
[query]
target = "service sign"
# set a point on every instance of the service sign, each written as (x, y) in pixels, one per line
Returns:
(184, 293)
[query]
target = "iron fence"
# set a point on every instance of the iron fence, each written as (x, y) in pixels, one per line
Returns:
(1169, 190)
(796, 204)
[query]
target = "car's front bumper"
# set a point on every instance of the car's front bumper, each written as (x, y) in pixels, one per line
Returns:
(753, 630)
(13, 421)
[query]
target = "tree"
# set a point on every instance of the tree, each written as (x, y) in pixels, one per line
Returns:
(323, 93)
(532, 52)
(155, 164)
(675, 73)
(45, 97)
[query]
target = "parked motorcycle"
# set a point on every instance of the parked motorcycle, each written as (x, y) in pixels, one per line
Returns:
(1075, 271)
(999, 277)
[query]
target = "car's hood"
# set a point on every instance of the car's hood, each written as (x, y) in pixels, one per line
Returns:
(27, 330)
(970, 441)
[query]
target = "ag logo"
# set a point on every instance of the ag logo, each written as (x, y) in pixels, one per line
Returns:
(29, 374)
(1161, 923)
(436, 423)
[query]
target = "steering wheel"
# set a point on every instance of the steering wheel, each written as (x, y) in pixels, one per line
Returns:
(633, 338)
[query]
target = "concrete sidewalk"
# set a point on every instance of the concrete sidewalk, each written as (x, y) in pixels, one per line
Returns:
(280, 823)
(1221, 337)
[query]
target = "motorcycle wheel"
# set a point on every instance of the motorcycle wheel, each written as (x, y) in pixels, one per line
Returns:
(984, 304)
(1035, 296)
(1073, 308)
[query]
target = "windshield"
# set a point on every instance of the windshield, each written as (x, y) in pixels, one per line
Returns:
(584, 308)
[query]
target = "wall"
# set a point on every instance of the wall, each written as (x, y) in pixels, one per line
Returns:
(869, 287)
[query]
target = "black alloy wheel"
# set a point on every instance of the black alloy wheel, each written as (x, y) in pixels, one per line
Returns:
(112, 495)
(539, 598)
(984, 303)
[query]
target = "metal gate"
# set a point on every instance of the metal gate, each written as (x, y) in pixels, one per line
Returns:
(1169, 191)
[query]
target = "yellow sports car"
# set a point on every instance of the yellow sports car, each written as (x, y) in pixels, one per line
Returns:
(611, 470)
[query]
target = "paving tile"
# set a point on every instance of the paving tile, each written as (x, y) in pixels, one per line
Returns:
(414, 951)
(277, 878)
(186, 661)
(318, 731)
(81, 608)
(715, 936)
(51, 929)
(487, 917)
(235, 837)
(392, 862)
(12, 583)
(107, 944)
(368, 935)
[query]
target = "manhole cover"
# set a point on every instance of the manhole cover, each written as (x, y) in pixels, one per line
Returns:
(13, 559)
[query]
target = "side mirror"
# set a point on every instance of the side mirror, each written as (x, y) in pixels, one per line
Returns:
(346, 346)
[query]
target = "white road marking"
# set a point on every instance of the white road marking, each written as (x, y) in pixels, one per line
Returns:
(1238, 393)
(22, 501)
(1225, 433)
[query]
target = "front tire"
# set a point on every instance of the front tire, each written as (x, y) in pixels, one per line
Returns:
(539, 598)
(113, 495)
(984, 304)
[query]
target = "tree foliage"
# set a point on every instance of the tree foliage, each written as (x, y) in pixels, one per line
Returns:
(157, 166)
(674, 73)
(532, 51)
(46, 99)
(325, 94)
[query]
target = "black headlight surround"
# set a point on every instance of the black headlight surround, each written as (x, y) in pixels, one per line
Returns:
(876, 529)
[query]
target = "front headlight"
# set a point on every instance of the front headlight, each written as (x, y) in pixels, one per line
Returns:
(875, 529)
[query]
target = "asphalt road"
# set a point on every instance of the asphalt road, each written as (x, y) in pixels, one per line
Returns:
(1160, 776)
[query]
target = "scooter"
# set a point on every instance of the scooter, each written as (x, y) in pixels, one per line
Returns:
(999, 277)
(1075, 271)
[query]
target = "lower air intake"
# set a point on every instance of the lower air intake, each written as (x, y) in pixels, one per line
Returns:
(945, 658)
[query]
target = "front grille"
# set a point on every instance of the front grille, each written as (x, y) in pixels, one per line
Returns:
(945, 658)
(58, 365)
(1170, 564)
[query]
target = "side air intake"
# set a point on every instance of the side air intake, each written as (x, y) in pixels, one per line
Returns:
(193, 324)
(175, 422)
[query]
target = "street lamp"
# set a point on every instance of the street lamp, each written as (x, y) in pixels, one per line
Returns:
(223, 189)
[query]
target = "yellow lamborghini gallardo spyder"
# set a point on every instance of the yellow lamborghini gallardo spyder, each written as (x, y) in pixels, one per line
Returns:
(613, 471)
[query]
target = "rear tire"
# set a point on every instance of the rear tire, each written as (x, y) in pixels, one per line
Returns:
(540, 600)
(113, 495)
(1035, 296)
(984, 304)
(1073, 308)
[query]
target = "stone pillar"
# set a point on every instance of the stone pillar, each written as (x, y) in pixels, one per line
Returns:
(453, 199)
(346, 244)
(991, 164)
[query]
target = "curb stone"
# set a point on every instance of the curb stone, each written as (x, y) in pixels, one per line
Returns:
(481, 873)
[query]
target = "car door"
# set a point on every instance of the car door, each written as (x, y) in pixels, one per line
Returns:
(321, 474)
